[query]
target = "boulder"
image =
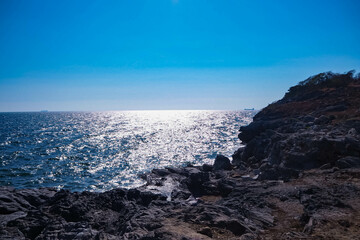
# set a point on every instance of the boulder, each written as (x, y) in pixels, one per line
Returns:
(222, 163)
(237, 157)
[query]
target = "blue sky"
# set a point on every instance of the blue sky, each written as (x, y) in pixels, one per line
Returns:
(167, 54)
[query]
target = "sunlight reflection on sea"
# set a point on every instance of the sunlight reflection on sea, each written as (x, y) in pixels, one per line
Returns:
(98, 151)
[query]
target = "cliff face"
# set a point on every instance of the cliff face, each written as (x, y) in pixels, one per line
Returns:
(316, 123)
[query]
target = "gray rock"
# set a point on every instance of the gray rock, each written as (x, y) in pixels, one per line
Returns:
(236, 157)
(222, 163)
(207, 167)
(348, 162)
(5, 218)
(326, 166)
(322, 120)
(161, 172)
(206, 231)
(336, 108)
(352, 132)
(308, 119)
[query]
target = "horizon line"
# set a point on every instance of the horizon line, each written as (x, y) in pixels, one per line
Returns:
(130, 110)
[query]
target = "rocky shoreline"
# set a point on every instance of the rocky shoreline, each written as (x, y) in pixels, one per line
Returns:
(298, 177)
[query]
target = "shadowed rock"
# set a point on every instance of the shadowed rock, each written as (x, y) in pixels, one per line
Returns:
(222, 163)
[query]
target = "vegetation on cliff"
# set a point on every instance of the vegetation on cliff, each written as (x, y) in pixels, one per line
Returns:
(323, 94)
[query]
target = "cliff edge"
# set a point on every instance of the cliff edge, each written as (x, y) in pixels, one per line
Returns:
(317, 123)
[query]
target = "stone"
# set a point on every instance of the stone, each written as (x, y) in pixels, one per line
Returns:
(195, 182)
(309, 227)
(236, 157)
(352, 132)
(206, 231)
(161, 172)
(222, 163)
(348, 162)
(326, 166)
(5, 218)
(336, 108)
(207, 167)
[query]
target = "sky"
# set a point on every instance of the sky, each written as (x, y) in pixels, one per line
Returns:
(168, 54)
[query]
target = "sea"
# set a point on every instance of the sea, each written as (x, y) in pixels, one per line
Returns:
(99, 151)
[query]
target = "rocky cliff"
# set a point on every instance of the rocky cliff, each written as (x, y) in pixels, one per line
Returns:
(317, 123)
(296, 178)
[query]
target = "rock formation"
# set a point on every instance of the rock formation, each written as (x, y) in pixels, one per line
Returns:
(317, 123)
(298, 177)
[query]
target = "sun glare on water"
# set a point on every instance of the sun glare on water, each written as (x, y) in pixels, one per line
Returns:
(98, 151)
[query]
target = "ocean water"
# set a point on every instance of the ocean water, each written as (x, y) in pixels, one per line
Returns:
(98, 151)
